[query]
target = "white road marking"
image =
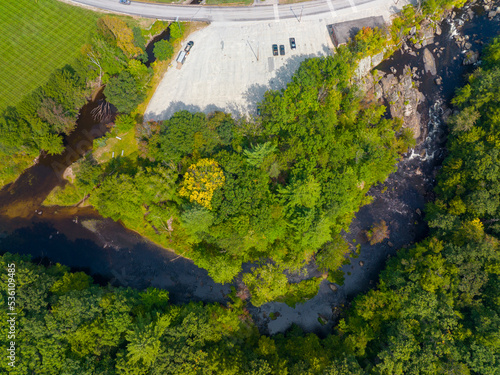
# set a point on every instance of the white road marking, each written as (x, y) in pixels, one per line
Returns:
(276, 14)
(332, 9)
(353, 6)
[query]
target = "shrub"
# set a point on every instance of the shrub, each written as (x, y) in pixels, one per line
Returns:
(163, 50)
(124, 123)
(123, 93)
(378, 233)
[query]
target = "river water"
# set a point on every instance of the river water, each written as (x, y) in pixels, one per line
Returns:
(83, 240)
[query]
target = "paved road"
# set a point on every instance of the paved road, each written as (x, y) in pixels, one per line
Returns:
(227, 14)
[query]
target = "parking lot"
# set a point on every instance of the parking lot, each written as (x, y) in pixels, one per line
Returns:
(231, 65)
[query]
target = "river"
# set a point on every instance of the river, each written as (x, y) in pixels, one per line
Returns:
(81, 239)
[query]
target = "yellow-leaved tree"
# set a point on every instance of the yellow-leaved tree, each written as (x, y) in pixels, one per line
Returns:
(123, 35)
(201, 180)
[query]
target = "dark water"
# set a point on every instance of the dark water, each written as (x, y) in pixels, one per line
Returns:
(110, 252)
(114, 255)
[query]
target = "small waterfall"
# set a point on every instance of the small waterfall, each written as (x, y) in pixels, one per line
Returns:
(453, 29)
(435, 126)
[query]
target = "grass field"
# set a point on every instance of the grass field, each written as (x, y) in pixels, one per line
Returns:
(38, 37)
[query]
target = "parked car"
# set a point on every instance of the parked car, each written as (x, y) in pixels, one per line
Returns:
(126, 2)
(189, 46)
(292, 43)
(275, 50)
(282, 49)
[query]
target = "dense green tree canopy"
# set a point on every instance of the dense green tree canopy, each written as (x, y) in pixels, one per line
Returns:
(163, 50)
(123, 93)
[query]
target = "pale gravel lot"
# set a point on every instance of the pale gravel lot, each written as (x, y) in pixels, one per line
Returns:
(231, 64)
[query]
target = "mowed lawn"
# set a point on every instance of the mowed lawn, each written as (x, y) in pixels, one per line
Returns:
(38, 37)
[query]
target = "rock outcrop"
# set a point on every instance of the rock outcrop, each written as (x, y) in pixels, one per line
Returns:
(401, 93)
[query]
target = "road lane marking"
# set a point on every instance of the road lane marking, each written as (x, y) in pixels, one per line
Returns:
(353, 6)
(332, 9)
(276, 14)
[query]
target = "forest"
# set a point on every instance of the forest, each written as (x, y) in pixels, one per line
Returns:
(435, 310)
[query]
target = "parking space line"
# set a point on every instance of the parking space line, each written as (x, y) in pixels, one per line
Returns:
(276, 14)
(353, 6)
(332, 9)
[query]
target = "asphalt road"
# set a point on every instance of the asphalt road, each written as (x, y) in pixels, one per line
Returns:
(227, 14)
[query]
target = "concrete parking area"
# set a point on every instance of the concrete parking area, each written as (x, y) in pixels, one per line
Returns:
(231, 65)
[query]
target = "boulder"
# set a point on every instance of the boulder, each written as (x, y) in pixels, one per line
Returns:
(322, 320)
(471, 58)
(429, 62)
(407, 82)
(438, 80)
(393, 96)
(377, 91)
(333, 287)
(427, 42)
(427, 35)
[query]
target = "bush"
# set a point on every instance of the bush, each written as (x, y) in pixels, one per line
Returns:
(163, 50)
(369, 41)
(269, 283)
(123, 93)
(378, 233)
(124, 123)
(176, 31)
